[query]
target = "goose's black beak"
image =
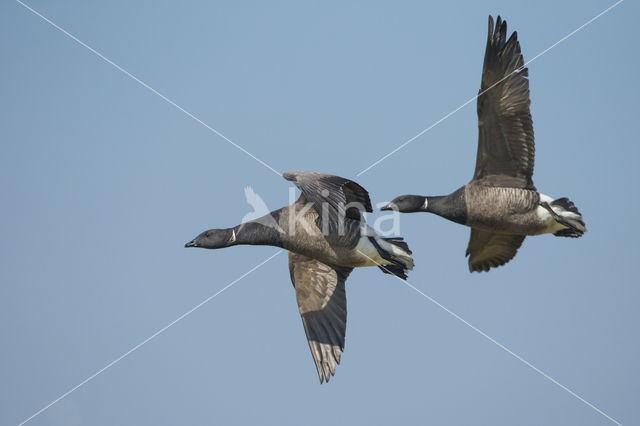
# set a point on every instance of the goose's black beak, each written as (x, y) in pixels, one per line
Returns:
(191, 243)
(390, 206)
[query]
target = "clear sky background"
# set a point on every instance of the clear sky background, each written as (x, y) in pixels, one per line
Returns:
(102, 182)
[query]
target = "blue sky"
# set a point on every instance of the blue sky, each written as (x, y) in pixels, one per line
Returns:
(102, 182)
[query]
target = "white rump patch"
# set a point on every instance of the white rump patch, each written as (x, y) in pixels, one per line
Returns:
(367, 250)
(551, 226)
(545, 199)
(392, 248)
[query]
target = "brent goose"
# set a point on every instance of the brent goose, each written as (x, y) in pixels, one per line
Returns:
(326, 236)
(501, 204)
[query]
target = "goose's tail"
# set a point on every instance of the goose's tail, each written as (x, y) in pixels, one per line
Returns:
(397, 252)
(566, 213)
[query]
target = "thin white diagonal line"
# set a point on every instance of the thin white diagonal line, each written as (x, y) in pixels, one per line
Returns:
(486, 90)
(145, 85)
(494, 341)
(136, 347)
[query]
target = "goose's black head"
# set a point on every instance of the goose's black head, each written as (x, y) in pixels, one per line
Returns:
(407, 204)
(214, 239)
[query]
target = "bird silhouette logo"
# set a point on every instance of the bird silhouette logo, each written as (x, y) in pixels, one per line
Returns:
(260, 211)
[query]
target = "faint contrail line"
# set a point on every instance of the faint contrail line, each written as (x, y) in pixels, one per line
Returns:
(494, 341)
(136, 347)
(133, 77)
(486, 90)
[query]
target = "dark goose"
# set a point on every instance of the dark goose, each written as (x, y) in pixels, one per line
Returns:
(501, 203)
(323, 250)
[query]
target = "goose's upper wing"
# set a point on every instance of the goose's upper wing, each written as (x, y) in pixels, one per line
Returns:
(323, 307)
(505, 137)
(489, 249)
(342, 197)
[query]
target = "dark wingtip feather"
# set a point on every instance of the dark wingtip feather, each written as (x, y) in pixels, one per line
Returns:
(498, 27)
(485, 266)
(327, 371)
(290, 176)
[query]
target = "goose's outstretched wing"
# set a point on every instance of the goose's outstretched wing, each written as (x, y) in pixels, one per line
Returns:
(322, 303)
(505, 130)
(489, 249)
(342, 197)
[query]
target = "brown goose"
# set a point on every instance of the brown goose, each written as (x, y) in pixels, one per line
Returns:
(501, 204)
(326, 236)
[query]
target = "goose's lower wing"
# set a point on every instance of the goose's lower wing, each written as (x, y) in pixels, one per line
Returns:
(322, 302)
(489, 249)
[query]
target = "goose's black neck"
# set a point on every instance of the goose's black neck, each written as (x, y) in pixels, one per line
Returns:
(452, 206)
(263, 231)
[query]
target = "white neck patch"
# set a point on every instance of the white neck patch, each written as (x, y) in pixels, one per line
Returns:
(426, 202)
(233, 236)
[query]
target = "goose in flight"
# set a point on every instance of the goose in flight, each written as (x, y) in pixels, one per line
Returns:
(501, 203)
(326, 236)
